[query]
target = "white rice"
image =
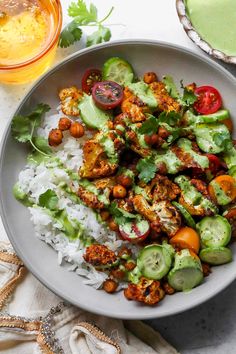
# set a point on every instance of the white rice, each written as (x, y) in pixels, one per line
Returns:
(37, 179)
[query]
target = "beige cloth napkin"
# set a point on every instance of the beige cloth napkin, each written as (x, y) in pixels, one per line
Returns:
(33, 320)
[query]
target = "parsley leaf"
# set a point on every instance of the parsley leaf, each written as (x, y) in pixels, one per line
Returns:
(83, 14)
(49, 200)
(147, 169)
(23, 128)
(70, 34)
(103, 34)
(149, 126)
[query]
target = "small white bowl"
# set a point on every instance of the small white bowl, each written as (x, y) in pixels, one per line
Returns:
(195, 37)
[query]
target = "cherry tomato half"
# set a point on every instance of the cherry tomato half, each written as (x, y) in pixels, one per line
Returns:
(135, 231)
(90, 77)
(208, 100)
(107, 94)
(214, 163)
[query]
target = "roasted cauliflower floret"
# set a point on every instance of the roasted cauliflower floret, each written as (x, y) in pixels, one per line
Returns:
(146, 291)
(162, 215)
(100, 256)
(96, 163)
(164, 189)
(89, 198)
(169, 217)
(70, 97)
(134, 107)
(165, 101)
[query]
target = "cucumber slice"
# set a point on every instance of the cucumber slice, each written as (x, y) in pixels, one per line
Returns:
(214, 231)
(154, 261)
(118, 70)
(216, 255)
(185, 279)
(91, 115)
(212, 138)
(187, 271)
(187, 217)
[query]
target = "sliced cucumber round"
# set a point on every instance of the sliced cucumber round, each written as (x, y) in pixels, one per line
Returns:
(216, 255)
(154, 261)
(212, 138)
(187, 217)
(118, 70)
(214, 231)
(187, 272)
(185, 279)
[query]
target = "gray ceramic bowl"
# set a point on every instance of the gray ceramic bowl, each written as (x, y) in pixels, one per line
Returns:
(40, 258)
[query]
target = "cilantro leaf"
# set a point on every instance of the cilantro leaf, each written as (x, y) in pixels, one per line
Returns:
(23, 128)
(188, 98)
(82, 14)
(223, 140)
(171, 87)
(42, 144)
(103, 34)
(120, 215)
(20, 128)
(172, 118)
(149, 126)
(48, 200)
(70, 34)
(147, 169)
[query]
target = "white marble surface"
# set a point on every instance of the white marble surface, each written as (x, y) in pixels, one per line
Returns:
(209, 328)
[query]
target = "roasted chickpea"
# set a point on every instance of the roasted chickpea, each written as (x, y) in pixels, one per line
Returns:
(124, 180)
(163, 133)
(110, 286)
(149, 77)
(64, 123)
(130, 265)
(113, 225)
(76, 130)
(55, 137)
(124, 253)
(117, 273)
(151, 139)
(105, 215)
(110, 124)
(119, 191)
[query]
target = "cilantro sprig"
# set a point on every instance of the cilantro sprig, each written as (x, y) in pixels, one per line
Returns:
(147, 169)
(84, 16)
(23, 129)
(120, 215)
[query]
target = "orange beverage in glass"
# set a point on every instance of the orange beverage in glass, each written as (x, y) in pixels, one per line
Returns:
(29, 33)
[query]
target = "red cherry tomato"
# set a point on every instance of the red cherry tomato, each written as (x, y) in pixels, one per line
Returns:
(208, 100)
(214, 163)
(89, 78)
(107, 94)
(134, 232)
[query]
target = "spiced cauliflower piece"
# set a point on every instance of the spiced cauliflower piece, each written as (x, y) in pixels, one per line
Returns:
(165, 101)
(162, 215)
(134, 107)
(163, 189)
(100, 256)
(70, 98)
(147, 291)
(89, 198)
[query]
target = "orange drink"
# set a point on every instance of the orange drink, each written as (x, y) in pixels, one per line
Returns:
(29, 33)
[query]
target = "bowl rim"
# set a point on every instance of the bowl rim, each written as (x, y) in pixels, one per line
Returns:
(196, 38)
(20, 252)
(57, 6)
